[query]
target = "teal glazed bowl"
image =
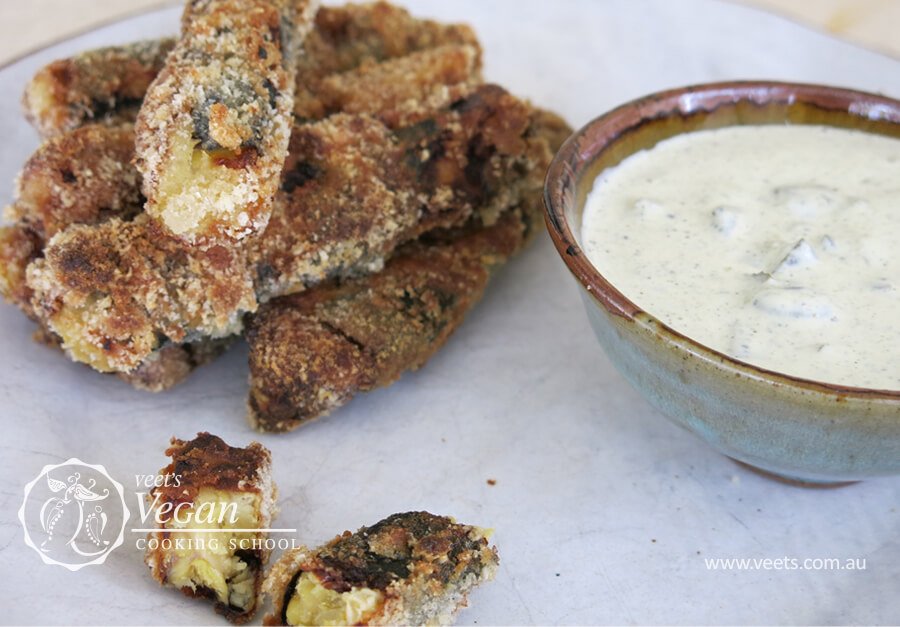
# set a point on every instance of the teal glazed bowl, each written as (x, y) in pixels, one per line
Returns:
(793, 428)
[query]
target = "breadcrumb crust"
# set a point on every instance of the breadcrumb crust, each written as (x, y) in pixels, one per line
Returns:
(425, 566)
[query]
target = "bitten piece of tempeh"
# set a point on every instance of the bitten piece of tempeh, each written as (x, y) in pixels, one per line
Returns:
(212, 134)
(413, 568)
(226, 496)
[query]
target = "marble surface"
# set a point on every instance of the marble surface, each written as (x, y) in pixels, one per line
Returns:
(604, 512)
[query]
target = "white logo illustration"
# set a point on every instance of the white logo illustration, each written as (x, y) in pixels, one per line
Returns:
(74, 514)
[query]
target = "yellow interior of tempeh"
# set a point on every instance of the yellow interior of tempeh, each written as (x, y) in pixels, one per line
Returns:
(207, 559)
(194, 189)
(314, 604)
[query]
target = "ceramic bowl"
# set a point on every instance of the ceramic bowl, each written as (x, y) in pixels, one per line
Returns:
(793, 428)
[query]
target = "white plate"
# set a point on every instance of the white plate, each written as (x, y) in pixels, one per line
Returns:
(604, 512)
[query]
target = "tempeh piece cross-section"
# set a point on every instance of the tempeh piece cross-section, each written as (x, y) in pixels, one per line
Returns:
(413, 568)
(213, 513)
(212, 134)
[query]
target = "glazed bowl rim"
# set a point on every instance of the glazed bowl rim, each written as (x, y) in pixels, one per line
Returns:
(617, 122)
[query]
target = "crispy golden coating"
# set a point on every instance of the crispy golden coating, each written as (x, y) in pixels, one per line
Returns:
(82, 177)
(105, 85)
(226, 496)
(349, 36)
(414, 568)
(354, 190)
(19, 246)
(312, 352)
(208, 462)
(116, 291)
(212, 133)
(393, 90)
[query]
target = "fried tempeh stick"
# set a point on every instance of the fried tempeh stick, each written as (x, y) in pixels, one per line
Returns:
(79, 177)
(115, 292)
(355, 191)
(393, 90)
(212, 133)
(312, 352)
(105, 85)
(413, 568)
(226, 497)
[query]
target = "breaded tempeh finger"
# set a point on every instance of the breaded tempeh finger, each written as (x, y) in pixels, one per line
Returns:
(413, 568)
(392, 90)
(115, 292)
(212, 134)
(312, 352)
(105, 85)
(79, 177)
(82, 176)
(355, 191)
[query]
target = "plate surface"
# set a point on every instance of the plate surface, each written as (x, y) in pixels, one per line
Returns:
(604, 511)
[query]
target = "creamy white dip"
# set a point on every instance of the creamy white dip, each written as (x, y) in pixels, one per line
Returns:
(776, 245)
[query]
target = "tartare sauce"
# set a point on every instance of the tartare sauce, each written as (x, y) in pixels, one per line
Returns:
(776, 245)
